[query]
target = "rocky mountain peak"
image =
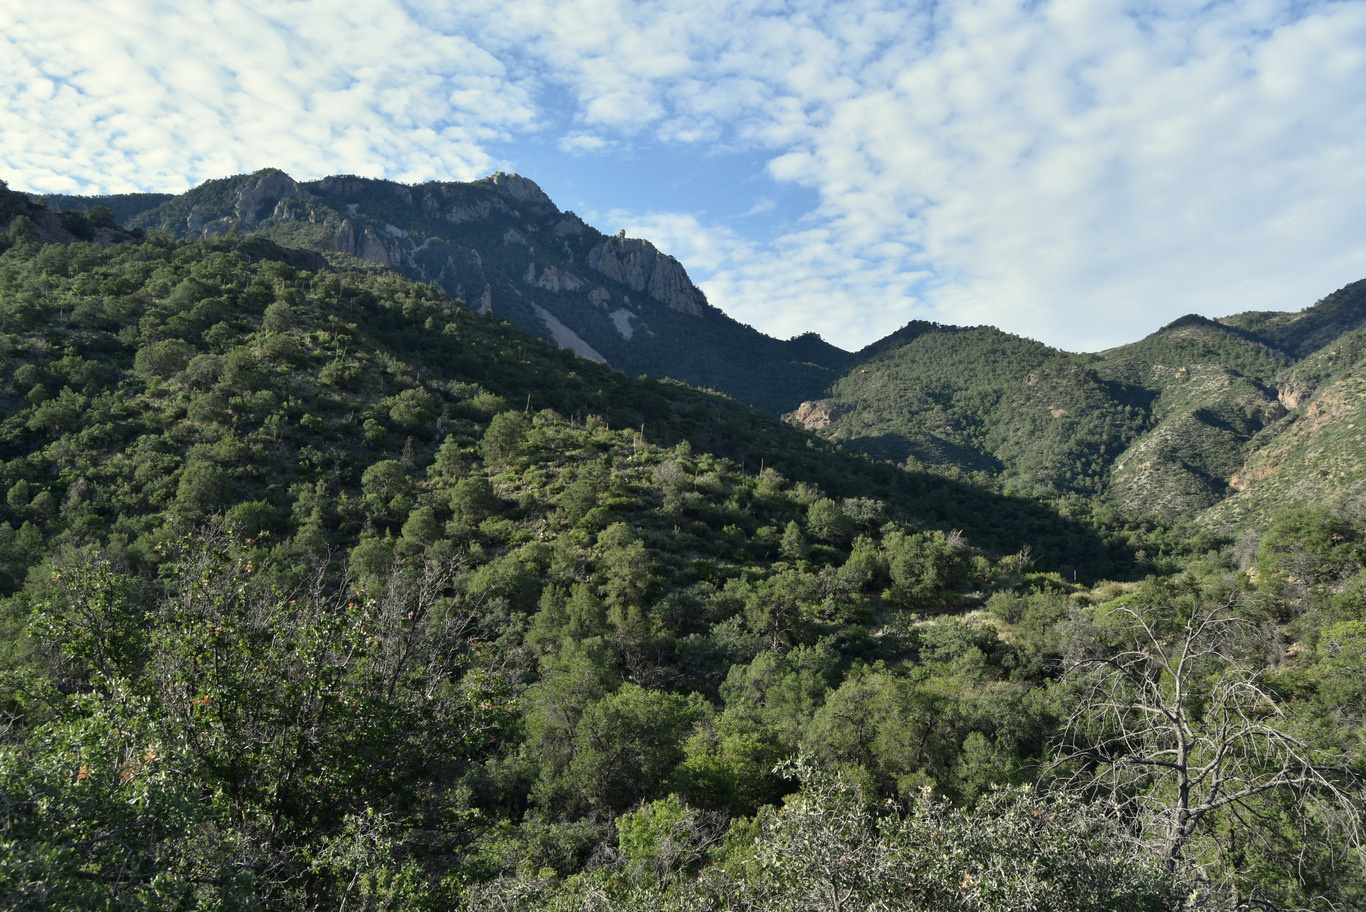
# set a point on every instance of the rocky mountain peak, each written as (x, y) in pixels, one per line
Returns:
(639, 264)
(256, 199)
(502, 245)
(522, 189)
(266, 187)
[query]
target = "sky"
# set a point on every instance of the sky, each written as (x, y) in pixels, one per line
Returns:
(1080, 172)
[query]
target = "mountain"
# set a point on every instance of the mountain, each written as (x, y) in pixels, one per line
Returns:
(319, 588)
(1208, 420)
(1302, 333)
(1210, 389)
(503, 246)
(979, 400)
(1312, 455)
(1168, 425)
(284, 370)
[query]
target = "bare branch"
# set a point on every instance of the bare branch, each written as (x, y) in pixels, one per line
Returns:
(1173, 730)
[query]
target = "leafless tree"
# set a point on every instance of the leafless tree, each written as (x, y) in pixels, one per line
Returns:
(1176, 731)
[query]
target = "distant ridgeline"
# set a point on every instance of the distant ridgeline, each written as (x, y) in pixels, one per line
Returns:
(1216, 421)
(321, 588)
(1223, 422)
(501, 245)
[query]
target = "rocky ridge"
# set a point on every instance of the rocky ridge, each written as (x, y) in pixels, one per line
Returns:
(503, 246)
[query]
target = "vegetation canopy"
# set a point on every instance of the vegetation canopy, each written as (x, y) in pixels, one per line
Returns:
(320, 590)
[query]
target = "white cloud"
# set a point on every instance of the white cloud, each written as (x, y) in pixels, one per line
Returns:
(199, 90)
(582, 143)
(1070, 172)
(1076, 171)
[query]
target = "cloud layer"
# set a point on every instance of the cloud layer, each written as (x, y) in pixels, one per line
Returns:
(1074, 171)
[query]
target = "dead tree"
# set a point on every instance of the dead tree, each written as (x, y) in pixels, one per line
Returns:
(1174, 732)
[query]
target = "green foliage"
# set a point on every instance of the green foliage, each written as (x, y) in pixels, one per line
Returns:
(570, 598)
(504, 437)
(203, 488)
(1306, 554)
(657, 836)
(830, 850)
(222, 742)
(922, 567)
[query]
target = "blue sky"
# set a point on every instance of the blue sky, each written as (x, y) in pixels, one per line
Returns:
(1076, 171)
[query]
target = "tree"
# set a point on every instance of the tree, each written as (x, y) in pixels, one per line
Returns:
(828, 522)
(473, 500)
(225, 743)
(159, 360)
(1179, 735)
(628, 744)
(504, 437)
(1019, 849)
(203, 488)
(101, 216)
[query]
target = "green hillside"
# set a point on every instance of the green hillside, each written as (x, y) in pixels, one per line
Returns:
(984, 401)
(320, 589)
(504, 247)
(1302, 333)
(1312, 455)
(1171, 426)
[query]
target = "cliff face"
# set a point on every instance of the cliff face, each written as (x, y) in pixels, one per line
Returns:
(261, 193)
(637, 263)
(503, 246)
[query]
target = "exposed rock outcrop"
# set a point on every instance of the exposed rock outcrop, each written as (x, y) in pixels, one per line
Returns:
(638, 264)
(263, 195)
(265, 187)
(520, 188)
(622, 320)
(814, 415)
(565, 337)
(552, 279)
(1293, 394)
(463, 212)
(364, 244)
(570, 224)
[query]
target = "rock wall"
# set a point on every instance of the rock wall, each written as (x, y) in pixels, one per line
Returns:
(637, 263)
(815, 415)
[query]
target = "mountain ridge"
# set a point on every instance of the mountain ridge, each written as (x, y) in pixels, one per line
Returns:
(1169, 424)
(318, 585)
(502, 245)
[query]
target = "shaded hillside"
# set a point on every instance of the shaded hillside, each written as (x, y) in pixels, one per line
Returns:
(1212, 389)
(503, 246)
(1171, 425)
(273, 373)
(1302, 333)
(23, 219)
(1163, 426)
(983, 401)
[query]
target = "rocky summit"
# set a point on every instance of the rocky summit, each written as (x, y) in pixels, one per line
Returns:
(503, 246)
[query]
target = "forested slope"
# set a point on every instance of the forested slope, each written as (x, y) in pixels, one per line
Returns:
(321, 589)
(1189, 423)
(504, 247)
